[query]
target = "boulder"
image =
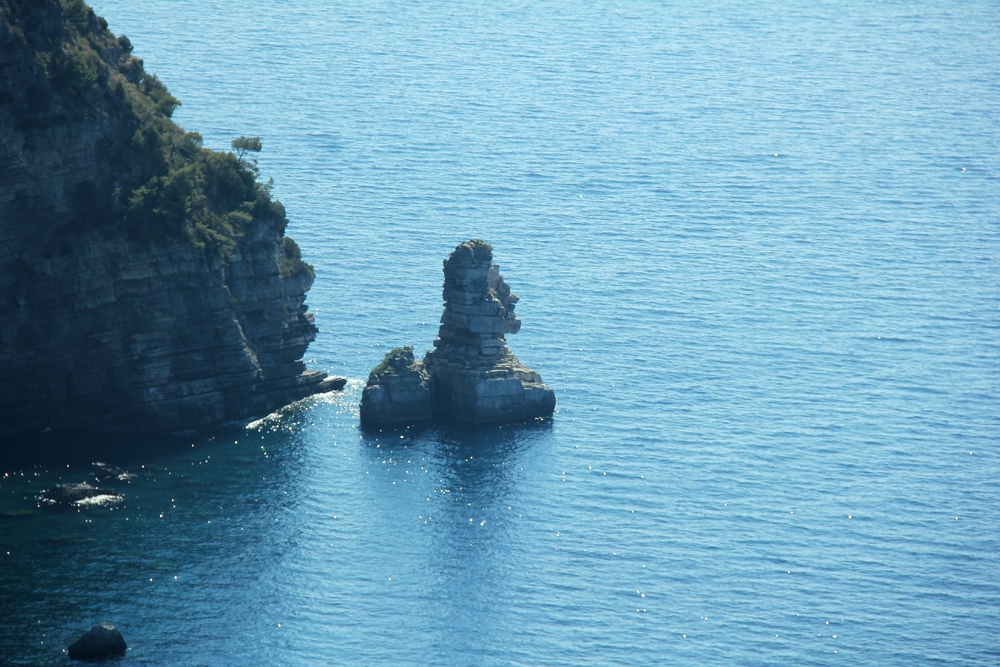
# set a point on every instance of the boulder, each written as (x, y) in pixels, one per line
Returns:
(101, 641)
(399, 391)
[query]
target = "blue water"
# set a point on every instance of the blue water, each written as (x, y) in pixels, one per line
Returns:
(756, 246)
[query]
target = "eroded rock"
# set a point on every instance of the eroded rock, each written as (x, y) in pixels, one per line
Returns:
(399, 391)
(473, 376)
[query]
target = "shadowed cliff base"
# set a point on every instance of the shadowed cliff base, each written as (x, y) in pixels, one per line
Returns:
(471, 376)
(146, 283)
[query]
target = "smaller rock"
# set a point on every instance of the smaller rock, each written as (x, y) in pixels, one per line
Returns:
(399, 391)
(332, 383)
(101, 641)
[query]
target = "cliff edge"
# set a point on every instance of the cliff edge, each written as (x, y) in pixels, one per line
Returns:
(145, 282)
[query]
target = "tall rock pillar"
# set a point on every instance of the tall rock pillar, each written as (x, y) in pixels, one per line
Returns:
(470, 375)
(476, 377)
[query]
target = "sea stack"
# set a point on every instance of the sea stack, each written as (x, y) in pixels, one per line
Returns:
(473, 375)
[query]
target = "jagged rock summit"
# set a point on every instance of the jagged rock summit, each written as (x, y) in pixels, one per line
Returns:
(470, 375)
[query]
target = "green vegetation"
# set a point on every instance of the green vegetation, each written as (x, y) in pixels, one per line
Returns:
(391, 361)
(159, 182)
(243, 144)
(290, 260)
(208, 196)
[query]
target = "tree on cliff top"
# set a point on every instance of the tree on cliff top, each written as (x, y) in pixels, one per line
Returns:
(242, 145)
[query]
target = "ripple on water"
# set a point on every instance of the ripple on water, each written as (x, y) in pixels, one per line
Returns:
(749, 262)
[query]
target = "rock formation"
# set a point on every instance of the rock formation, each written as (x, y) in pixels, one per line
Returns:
(101, 641)
(145, 282)
(473, 376)
(399, 391)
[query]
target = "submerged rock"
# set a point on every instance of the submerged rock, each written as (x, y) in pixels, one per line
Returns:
(329, 384)
(399, 391)
(78, 494)
(102, 640)
(471, 375)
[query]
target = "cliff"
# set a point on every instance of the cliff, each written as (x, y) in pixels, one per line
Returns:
(145, 282)
(471, 375)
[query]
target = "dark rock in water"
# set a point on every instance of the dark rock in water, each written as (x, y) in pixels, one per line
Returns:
(399, 391)
(473, 376)
(331, 384)
(101, 641)
(75, 493)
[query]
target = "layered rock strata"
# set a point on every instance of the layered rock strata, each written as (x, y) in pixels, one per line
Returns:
(400, 391)
(474, 376)
(145, 282)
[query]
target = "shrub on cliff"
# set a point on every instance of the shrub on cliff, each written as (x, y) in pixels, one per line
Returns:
(208, 196)
(243, 145)
(394, 359)
(290, 260)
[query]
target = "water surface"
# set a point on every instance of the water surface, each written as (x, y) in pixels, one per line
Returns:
(756, 247)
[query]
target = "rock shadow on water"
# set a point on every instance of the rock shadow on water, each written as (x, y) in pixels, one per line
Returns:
(459, 513)
(455, 434)
(82, 448)
(468, 457)
(66, 471)
(200, 515)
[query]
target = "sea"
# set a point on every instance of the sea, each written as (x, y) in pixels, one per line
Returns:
(757, 250)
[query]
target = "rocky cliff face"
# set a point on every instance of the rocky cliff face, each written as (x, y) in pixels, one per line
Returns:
(145, 283)
(473, 375)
